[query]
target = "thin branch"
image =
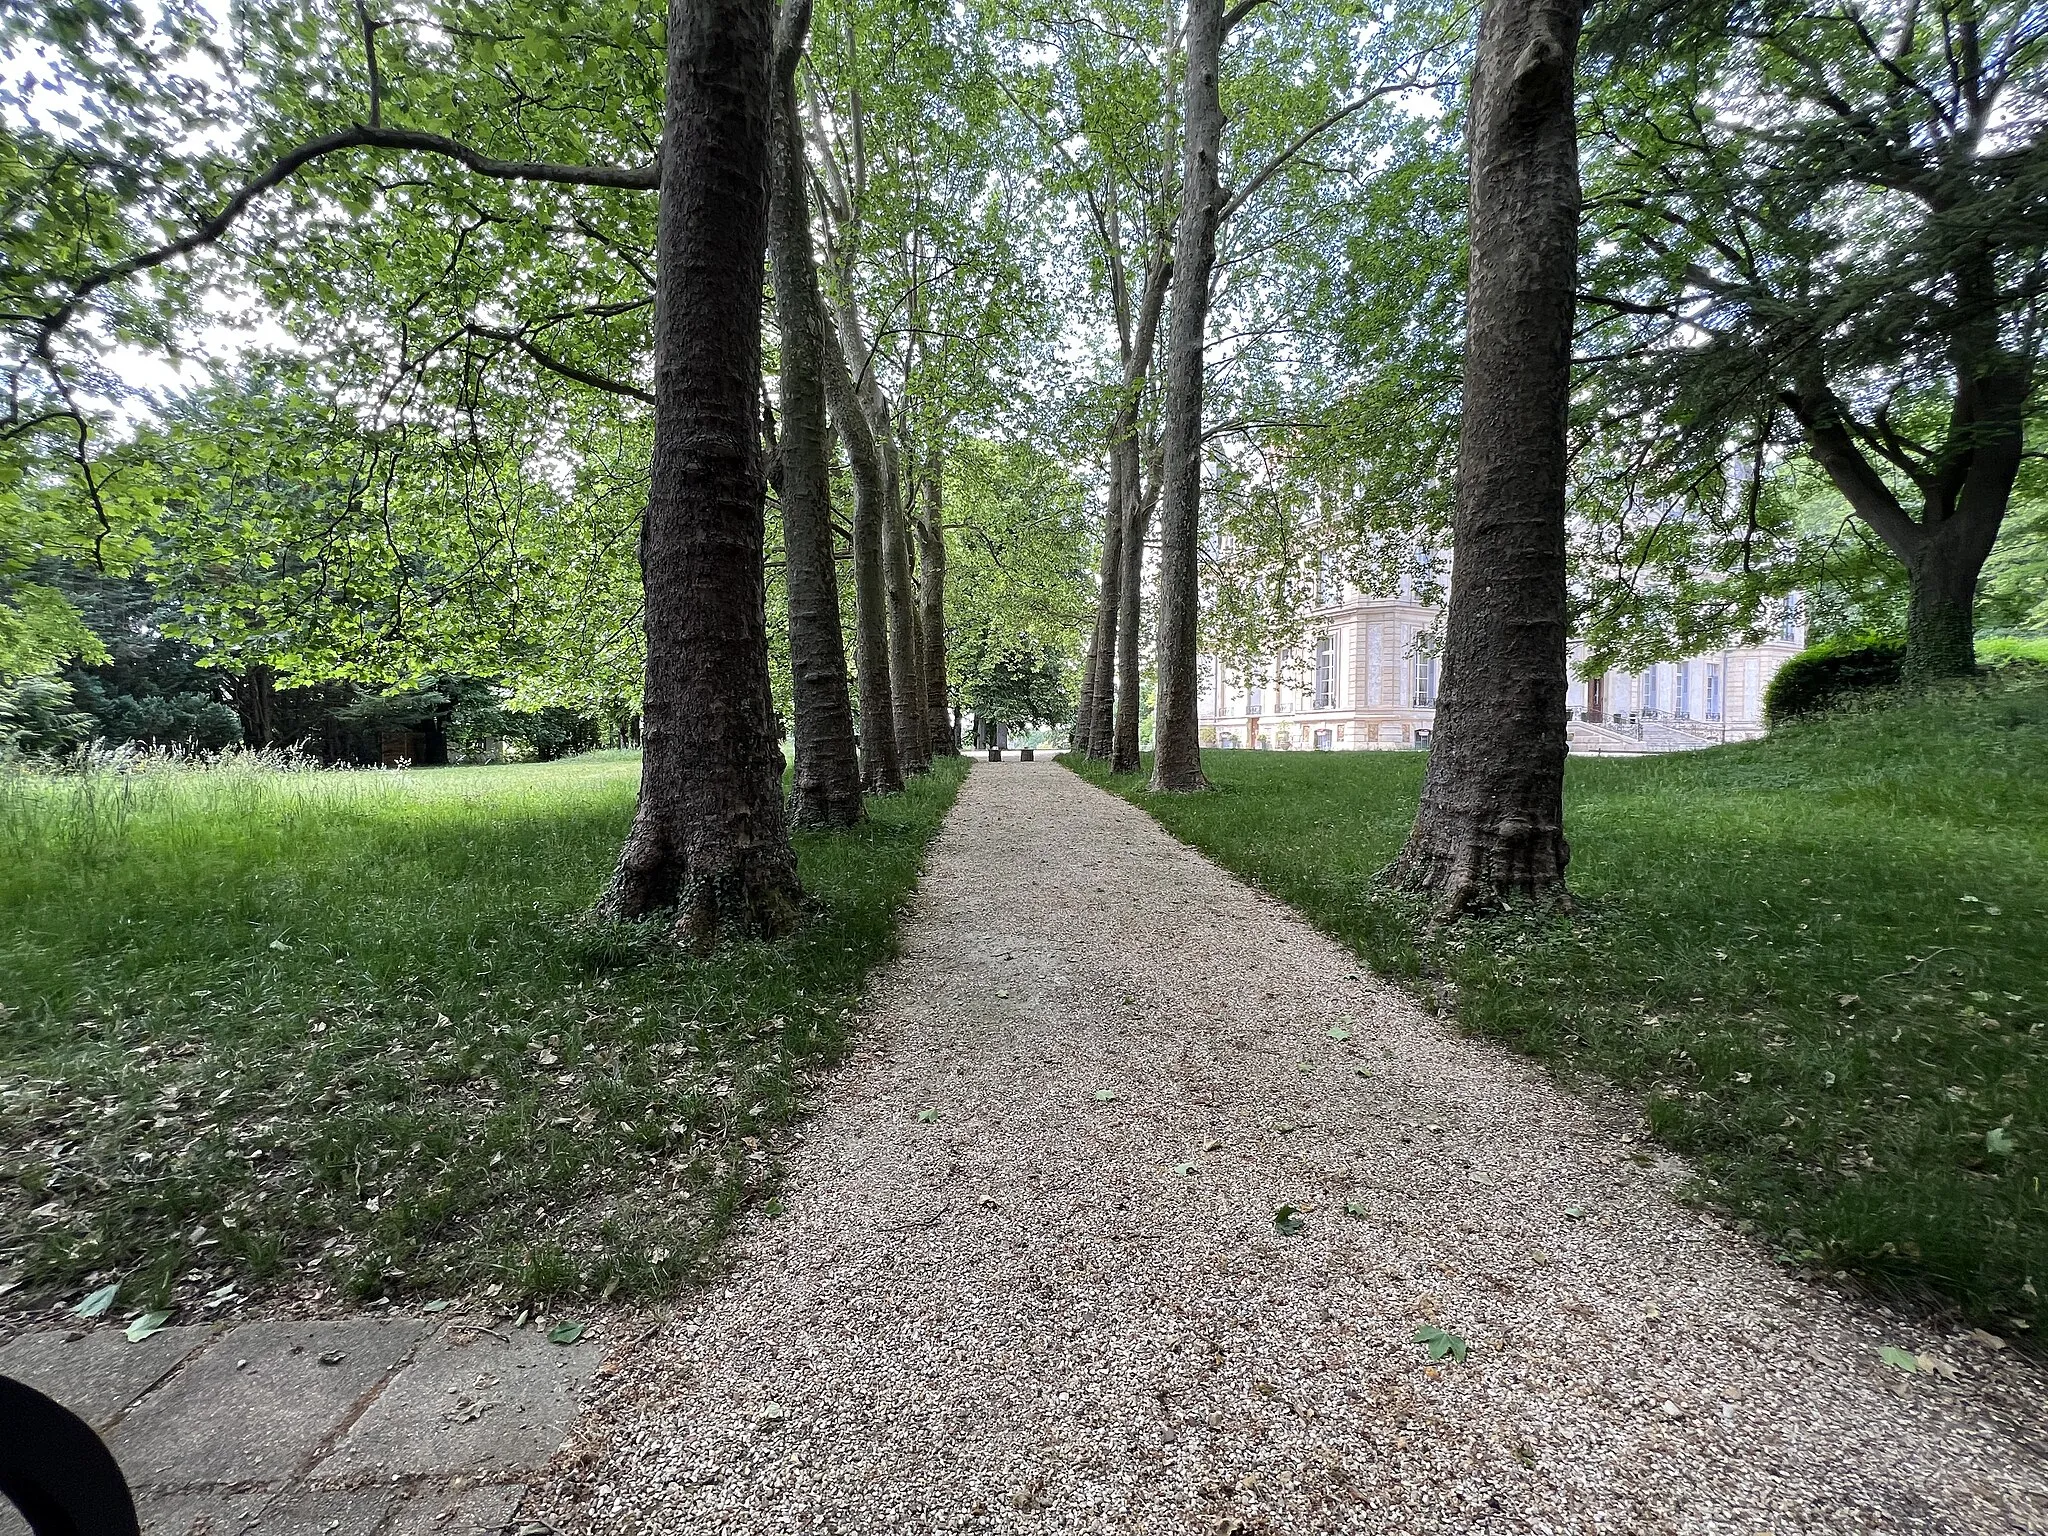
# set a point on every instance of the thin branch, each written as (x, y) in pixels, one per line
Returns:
(1302, 140)
(555, 364)
(1238, 12)
(370, 52)
(359, 136)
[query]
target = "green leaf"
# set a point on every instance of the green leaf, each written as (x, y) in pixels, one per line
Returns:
(927, 1115)
(97, 1303)
(1998, 1141)
(566, 1333)
(436, 1306)
(1185, 1170)
(1355, 1208)
(145, 1325)
(1104, 1095)
(1287, 1220)
(1339, 1032)
(1902, 1359)
(1440, 1343)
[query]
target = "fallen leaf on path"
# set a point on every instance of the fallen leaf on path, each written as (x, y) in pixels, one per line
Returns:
(566, 1333)
(1440, 1343)
(1339, 1032)
(97, 1303)
(1287, 1220)
(145, 1325)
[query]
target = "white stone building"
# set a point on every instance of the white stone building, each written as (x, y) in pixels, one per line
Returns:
(1368, 680)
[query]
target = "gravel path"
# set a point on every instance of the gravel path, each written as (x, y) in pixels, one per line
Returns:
(1027, 1275)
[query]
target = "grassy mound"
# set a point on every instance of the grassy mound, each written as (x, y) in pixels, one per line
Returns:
(348, 1029)
(1821, 958)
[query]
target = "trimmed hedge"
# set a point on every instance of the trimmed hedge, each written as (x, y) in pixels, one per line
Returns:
(1824, 674)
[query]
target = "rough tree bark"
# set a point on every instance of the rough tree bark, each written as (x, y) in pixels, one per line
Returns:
(1139, 503)
(709, 839)
(881, 770)
(1491, 821)
(1176, 726)
(906, 659)
(1098, 684)
(826, 788)
(1125, 758)
(931, 599)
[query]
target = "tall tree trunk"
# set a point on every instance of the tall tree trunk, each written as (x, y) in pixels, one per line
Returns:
(826, 790)
(1098, 685)
(1986, 443)
(931, 598)
(709, 838)
(881, 769)
(1941, 608)
(1491, 819)
(906, 658)
(1176, 726)
(1127, 676)
(254, 696)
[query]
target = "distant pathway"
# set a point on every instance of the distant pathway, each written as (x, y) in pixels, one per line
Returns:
(995, 1302)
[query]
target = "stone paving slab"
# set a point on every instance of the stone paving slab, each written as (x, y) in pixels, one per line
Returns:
(98, 1374)
(260, 1404)
(198, 1514)
(485, 1510)
(473, 1399)
(325, 1512)
(409, 1428)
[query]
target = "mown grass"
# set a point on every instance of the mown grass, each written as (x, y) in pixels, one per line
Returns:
(1821, 959)
(265, 1029)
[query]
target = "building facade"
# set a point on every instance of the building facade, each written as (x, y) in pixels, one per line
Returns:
(1368, 679)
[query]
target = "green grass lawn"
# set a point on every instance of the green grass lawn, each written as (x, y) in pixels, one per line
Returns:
(1821, 959)
(346, 1030)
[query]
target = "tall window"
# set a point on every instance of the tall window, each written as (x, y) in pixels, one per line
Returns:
(1788, 621)
(1682, 704)
(1646, 691)
(1424, 669)
(1713, 690)
(1326, 673)
(1255, 699)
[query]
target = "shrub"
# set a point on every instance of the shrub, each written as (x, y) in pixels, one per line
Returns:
(2003, 650)
(1824, 674)
(39, 717)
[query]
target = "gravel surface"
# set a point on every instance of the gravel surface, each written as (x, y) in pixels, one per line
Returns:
(1027, 1275)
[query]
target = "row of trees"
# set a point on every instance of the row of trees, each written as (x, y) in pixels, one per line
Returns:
(1302, 277)
(1817, 245)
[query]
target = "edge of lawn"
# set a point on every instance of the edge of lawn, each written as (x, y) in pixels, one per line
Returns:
(384, 1057)
(1473, 977)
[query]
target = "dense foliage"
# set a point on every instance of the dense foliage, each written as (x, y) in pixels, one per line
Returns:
(1823, 674)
